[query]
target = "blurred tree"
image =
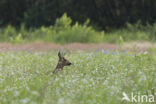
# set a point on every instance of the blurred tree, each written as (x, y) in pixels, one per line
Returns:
(105, 13)
(11, 11)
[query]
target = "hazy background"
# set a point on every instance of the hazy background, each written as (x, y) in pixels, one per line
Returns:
(130, 19)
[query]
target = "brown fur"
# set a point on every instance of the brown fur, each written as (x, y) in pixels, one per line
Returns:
(61, 63)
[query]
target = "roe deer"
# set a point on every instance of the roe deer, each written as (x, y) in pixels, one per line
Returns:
(61, 63)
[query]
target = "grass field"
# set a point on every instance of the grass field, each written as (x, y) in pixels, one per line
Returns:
(94, 78)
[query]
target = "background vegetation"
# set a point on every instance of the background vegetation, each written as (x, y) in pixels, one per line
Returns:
(87, 20)
(65, 31)
(103, 13)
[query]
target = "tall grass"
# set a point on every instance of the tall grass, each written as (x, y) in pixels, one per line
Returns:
(94, 78)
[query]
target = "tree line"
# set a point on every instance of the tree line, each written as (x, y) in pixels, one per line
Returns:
(102, 13)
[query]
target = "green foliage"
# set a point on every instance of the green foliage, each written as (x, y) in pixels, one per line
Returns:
(136, 32)
(94, 78)
(151, 50)
(65, 31)
(121, 42)
(8, 33)
(17, 39)
(63, 23)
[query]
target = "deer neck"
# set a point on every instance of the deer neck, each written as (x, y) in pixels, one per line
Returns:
(59, 66)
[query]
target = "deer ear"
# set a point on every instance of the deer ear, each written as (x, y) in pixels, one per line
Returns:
(59, 54)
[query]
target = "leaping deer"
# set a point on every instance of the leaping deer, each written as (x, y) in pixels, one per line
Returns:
(61, 63)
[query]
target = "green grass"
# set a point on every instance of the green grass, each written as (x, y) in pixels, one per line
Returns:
(94, 78)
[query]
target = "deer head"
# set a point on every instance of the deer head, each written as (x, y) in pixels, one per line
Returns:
(61, 62)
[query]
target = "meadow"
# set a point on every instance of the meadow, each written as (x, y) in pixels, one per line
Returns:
(98, 77)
